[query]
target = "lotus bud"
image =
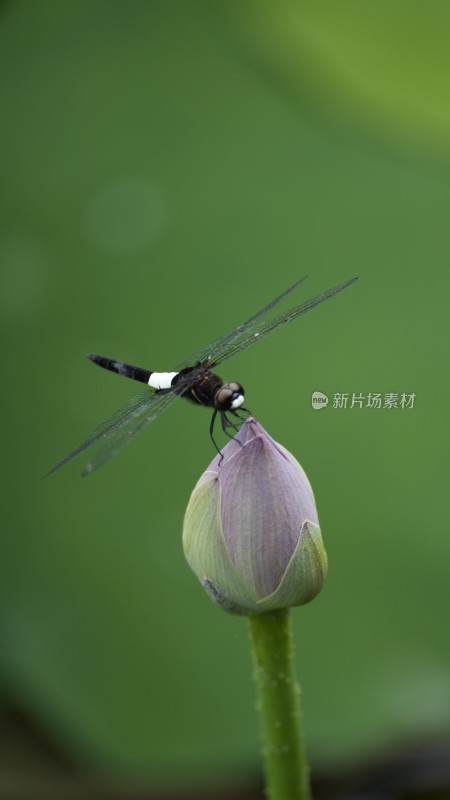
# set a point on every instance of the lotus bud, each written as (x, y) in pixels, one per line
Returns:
(251, 532)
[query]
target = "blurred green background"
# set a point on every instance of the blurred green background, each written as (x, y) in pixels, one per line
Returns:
(167, 169)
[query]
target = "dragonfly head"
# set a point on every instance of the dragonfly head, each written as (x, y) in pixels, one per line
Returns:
(229, 397)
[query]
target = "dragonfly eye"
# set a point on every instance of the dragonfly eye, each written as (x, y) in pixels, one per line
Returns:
(229, 397)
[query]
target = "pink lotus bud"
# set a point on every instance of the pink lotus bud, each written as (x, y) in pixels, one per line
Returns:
(251, 532)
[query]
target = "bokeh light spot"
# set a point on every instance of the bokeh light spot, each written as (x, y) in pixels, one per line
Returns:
(125, 217)
(23, 277)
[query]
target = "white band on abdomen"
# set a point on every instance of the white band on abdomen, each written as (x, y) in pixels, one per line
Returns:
(161, 380)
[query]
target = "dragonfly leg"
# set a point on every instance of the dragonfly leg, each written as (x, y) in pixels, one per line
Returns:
(243, 419)
(211, 433)
(226, 423)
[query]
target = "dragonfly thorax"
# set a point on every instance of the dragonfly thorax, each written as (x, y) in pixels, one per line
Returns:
(210, 390)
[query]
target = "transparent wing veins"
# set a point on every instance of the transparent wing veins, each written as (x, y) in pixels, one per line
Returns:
(257, 329)
(210, 355)
(122, 425)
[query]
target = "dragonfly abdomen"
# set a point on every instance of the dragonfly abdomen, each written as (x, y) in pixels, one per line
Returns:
(157, 380)
(120, 368)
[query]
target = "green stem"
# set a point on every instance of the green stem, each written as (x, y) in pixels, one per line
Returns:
(285, 764)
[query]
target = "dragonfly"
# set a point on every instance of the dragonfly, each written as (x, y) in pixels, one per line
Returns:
(193, 380)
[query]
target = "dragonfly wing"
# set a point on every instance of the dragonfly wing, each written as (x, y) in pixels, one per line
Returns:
(210, 355)
(257, 328)
(120, 428)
